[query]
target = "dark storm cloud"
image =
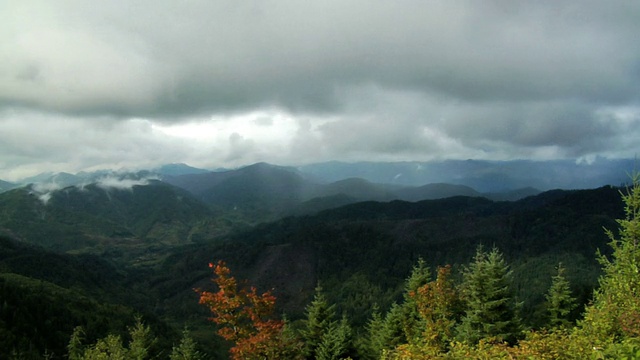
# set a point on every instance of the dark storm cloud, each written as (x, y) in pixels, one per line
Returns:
(408, 78)
(150, 58)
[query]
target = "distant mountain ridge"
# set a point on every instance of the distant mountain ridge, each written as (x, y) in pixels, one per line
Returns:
(485, 176)
(86, 217)
(265, 192)
(262, 189)
(482, 175)
(5, 185)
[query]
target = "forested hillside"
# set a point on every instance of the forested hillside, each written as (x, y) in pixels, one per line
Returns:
(143, 250)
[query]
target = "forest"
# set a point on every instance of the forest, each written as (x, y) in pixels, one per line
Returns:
(552, 276)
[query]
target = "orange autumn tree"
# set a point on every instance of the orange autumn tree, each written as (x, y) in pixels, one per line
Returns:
(244, 317)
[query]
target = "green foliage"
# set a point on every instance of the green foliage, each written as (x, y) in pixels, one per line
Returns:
(616, 308)
(319, 322)
(490, 307)
(41, 316)
(111, 346)
(186, 350)
(75, 347)
(413, 323)
(140, 340)
(337, 342)
(373, 342)
(560, 303)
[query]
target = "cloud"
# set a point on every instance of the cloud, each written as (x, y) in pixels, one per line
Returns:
(44, 191)
(149, 59)
(118, 183)
(123, 84)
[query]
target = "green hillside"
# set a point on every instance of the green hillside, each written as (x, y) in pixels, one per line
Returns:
(361, 253)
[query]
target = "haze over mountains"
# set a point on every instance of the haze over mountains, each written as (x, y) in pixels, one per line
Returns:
(481, 175)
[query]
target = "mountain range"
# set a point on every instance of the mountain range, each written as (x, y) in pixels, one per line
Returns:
(123, 243)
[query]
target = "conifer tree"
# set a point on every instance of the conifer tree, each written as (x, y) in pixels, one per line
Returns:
(374, 341)
(186, 350)
(337, 342)
(560, 303)
(490, 306)
(140, 340)
(615, 312)
(412, 322)
(319, 321)
(75, 348)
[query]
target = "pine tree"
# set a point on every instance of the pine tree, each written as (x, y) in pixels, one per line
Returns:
(412, 323)
(490, 306)
(374, 341)
(140, 340)
(108, 348)
(336, 343)
(75, 348)
(186, 350)
(560, 303)
(615, 312)
(320, 319)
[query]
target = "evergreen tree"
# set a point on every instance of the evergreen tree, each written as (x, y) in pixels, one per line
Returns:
(560, 303)
(337, 342)
(186, 350)
(108, 348)
(616, 308)
(320, 319)
(140, 340)
(374, 341)
(75, 348)
(490, 306)
(412, 322)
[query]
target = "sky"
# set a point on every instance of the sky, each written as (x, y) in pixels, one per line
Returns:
(117, 84)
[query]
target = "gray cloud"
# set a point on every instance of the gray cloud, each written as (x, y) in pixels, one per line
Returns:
(394, 80)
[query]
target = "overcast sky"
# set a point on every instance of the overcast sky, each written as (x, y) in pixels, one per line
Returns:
(90, 85)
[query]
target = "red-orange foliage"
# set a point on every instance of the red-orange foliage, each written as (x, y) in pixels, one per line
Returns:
(244, 317)
(436, 303)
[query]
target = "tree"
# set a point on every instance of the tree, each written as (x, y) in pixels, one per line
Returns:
(438, 305)
(320, 319)
(490, 306)
(140, 340)
(243, 316)
(374, 342)
(412, 322)
(615, 312)
(336, 343)
(75, 348)
(186, 350)
(111, 346)
(560, 303)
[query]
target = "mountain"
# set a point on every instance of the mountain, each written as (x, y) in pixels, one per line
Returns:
(178, 169)
(435, 191)
(362, 252)
(46, 295)
(356, 188)
(61, 179)
(5, 185)
(101, 215)
(266, 192)
(126, 245)
(483, 176)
